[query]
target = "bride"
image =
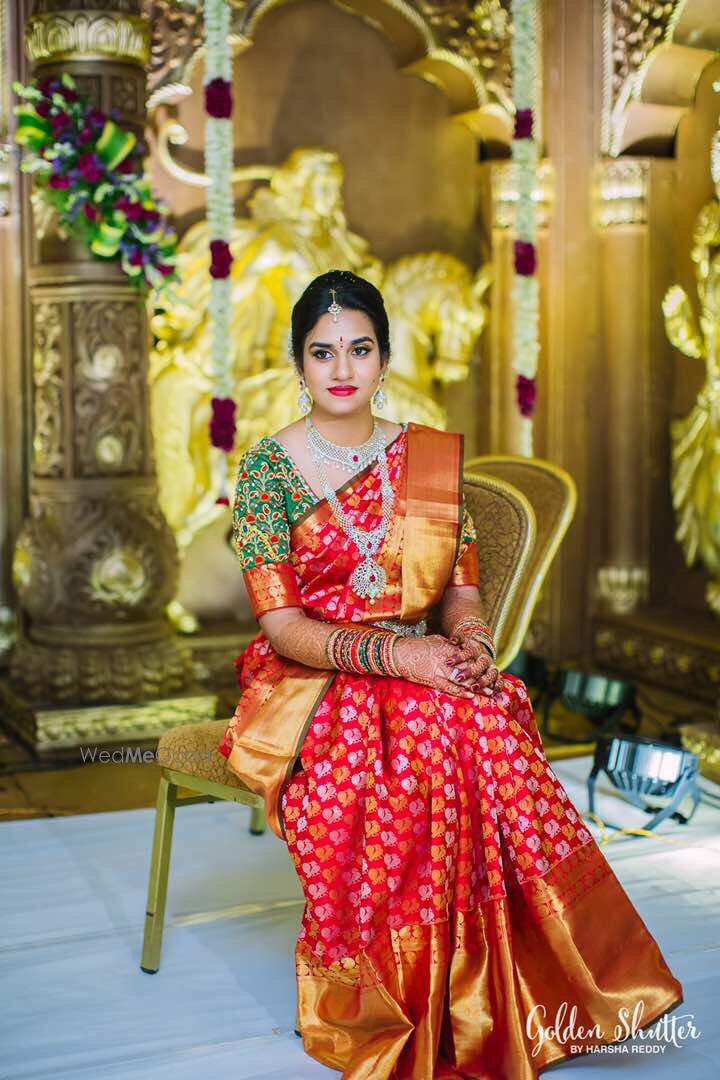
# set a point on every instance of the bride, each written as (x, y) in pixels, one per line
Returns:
(454, 898)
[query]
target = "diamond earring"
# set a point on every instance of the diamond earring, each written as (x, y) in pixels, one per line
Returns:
(380, 397)
(305, 401)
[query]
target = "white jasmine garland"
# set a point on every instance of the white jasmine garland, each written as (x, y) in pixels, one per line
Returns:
(220, 207)
(526, 340)
(220, 314)
(526, 297)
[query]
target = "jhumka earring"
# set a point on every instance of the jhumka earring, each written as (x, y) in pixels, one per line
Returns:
(380, 397)
(305, 401)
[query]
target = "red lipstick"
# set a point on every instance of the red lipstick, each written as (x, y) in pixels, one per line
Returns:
(342, 391)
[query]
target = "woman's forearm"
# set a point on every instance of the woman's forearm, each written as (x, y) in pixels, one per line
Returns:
(296, 637)
(460, 602)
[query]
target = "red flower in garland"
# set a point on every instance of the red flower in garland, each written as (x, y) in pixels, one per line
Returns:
(221, 259)
(218, 99)
(525, 261)
(526, 391)
(90, 167)
(132, 210)
(60, 121)
(222, 423)
(523, 124)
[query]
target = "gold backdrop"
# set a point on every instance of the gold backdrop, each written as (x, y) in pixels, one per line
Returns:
(628, 110)
(317, 76)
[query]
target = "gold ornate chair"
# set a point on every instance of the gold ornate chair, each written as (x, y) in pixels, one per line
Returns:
(553, 495)
(508, 553)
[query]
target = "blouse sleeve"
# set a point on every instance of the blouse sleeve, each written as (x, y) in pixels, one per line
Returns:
(261, 534)
(467, 568)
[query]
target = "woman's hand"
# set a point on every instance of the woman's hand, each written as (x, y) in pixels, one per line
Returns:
(430, 661)
(477, 667)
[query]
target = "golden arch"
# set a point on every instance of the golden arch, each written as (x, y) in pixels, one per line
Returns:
(484, 105)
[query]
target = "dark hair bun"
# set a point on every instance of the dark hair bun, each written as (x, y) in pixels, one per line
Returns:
(352, 292)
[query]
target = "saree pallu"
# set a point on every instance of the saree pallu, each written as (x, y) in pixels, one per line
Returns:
(455, 904)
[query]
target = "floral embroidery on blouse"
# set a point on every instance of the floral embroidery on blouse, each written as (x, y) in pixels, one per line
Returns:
(266, 493)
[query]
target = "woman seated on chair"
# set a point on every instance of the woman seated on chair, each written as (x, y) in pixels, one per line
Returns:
(454, 898)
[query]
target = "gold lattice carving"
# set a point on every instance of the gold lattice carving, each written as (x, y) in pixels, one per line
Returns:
(620, 192)
(633, 28)
(48, 453)
(481, 33)
(653, 56)
(60, 674)
(84, 561)
(177, 34)
(108, 391)
(505, 194)
(659, 654)
(81, 35)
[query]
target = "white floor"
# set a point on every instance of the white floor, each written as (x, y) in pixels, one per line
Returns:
(75, 1004)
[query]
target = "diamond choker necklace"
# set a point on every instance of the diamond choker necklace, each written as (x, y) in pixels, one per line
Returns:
(349, 458)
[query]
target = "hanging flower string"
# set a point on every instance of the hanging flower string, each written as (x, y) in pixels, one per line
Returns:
(218, 166)
(526, 344)
(90, 170)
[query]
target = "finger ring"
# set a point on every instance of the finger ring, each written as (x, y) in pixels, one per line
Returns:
(454, 674)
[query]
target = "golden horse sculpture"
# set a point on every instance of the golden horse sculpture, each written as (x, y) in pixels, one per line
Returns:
(296, 230)
(696, 437)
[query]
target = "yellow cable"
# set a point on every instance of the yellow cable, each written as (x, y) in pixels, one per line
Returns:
(605, 838)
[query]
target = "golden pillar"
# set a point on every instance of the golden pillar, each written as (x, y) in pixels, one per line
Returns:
(620, 216)
(631, 211)
(95, 562)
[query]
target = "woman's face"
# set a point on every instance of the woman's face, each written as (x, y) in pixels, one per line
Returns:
(341, 355)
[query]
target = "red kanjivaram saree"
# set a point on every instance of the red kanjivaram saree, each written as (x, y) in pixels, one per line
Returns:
(455, 902)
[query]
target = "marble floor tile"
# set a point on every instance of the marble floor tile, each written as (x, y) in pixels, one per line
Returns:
(222, 1005)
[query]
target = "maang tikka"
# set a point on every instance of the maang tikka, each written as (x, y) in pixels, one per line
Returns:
(334, 308)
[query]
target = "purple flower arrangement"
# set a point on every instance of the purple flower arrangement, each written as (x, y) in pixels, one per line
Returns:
(91, 171)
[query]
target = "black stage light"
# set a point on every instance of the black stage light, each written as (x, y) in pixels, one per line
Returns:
(639, 767)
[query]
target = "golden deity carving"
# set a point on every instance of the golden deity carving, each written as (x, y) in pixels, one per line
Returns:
(296, 229)
(696, 437)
